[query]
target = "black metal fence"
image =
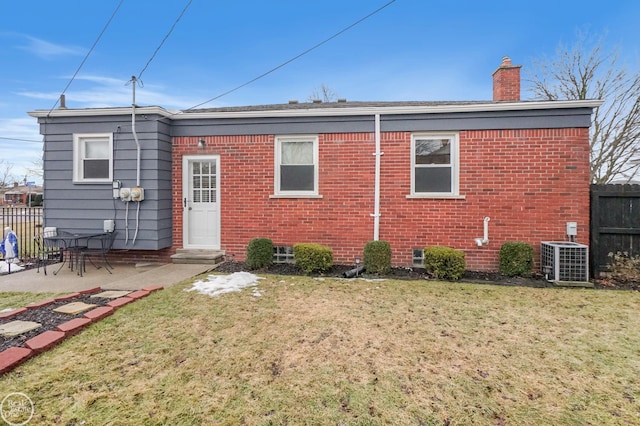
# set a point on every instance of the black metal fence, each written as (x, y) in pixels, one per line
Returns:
(26, 222)
(615, 223)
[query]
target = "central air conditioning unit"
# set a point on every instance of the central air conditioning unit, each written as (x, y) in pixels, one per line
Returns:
(565, 261)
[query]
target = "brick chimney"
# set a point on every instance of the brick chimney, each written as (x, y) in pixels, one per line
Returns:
(506, 82)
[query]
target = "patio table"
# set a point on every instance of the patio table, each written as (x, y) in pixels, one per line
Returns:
(71, 243)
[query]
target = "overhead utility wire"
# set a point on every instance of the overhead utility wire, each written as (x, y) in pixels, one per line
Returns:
(164, 39)
(17, 139)
(88, 53)
(294, 58)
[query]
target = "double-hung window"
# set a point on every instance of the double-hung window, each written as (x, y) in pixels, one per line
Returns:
(434, 164)
(93, 157)
(296, 166)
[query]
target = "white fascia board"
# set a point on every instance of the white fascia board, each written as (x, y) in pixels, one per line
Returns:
(94, 112)
(324, 112)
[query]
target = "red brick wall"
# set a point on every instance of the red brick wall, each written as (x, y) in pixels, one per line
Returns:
(141, 256)
(529, 182)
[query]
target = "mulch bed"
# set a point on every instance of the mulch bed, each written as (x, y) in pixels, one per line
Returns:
(45, 316)
(406, 273)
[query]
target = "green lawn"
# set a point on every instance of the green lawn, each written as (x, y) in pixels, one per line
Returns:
(9, 300)
(354, 352)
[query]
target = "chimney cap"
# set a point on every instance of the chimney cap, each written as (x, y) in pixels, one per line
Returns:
(506, 64)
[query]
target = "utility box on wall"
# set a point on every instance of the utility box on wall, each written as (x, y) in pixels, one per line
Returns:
(565, 261)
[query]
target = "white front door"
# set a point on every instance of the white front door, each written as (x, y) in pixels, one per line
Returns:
(201, 201)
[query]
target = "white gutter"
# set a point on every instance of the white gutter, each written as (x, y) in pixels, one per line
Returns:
(326, 112)
(376, 184)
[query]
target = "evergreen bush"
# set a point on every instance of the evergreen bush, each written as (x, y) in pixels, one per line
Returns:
(516, 259)
(259, 253)
(444, 262)
(312, 257)
(377, 257)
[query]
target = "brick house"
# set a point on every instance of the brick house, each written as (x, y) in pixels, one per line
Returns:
(341, 174)
(19, 195)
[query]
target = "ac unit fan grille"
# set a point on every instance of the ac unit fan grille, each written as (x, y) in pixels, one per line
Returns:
(565, 261)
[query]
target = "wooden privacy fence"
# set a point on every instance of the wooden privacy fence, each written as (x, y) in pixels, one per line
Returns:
(615, 223)
(26, 222)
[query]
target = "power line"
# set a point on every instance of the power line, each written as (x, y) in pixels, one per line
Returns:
(294, 58)
(88, 54)
(164, 39)
(21, 140)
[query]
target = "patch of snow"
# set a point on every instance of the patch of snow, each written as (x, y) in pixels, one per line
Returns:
(4, 267)
(220, 284)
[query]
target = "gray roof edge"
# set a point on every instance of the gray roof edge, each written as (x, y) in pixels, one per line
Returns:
(324, 109)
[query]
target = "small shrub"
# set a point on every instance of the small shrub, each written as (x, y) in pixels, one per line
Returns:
(312, 257)
(444, 262)
(259, 253)
(516, 259)
(377, 257)
(624, 267)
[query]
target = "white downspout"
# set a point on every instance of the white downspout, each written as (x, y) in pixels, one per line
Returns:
(376, 190)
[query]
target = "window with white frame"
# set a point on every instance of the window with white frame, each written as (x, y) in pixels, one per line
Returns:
(93, 157)
(296, 165)
(434, 164)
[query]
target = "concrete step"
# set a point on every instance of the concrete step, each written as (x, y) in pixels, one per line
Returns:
(198, 256)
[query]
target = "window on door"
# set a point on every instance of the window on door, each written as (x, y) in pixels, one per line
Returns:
(203, 181)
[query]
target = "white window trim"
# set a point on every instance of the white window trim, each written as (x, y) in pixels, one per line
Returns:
(296, 194)
(78, 139)
(455, 165)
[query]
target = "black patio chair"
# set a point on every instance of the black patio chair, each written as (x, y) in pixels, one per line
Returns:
(96, 246)
(47, 250)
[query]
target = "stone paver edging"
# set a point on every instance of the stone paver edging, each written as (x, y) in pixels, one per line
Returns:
(12, 357)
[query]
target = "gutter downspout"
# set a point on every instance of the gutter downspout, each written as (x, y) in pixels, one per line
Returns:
(376, 190)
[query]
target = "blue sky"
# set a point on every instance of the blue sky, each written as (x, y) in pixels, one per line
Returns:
(410, 50)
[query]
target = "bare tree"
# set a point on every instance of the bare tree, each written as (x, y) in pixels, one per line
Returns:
(323, 93)
(36, 168)
(584, 71)
(6, 177)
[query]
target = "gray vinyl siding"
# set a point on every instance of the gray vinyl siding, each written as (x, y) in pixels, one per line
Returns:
(272, 126)
(84, 206)
(503, 120)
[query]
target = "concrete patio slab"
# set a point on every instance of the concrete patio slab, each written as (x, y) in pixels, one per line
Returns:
(124, 277)
(16, 328)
